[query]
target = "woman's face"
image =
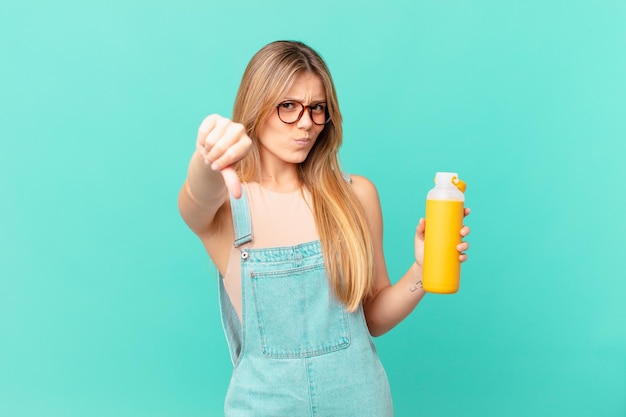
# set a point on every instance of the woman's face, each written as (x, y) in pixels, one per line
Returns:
(280, 142)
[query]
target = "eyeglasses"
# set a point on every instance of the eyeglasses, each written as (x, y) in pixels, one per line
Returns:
(291, 111)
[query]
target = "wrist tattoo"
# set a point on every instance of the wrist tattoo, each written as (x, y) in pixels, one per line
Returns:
(416, 286)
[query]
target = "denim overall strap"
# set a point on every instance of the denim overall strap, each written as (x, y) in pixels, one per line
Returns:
(243, 234)
(241, 218)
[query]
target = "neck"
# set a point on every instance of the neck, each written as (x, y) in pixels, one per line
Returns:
(284, 179)
(276, 174)
(281, 185)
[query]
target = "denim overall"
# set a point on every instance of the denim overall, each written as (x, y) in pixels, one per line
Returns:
(297, 351)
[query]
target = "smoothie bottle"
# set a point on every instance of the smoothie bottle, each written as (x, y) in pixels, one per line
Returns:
(444, 219)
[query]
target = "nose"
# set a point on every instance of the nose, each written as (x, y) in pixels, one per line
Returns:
(305, 122)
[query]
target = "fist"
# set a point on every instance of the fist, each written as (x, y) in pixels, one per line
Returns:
(222, 143)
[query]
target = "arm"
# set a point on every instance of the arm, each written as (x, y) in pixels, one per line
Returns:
(202, 194)
(390, 304)
(219, 144)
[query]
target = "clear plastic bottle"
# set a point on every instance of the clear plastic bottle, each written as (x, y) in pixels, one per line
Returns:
(444, 220)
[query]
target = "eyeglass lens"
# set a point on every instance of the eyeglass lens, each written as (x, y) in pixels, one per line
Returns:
(292, 111)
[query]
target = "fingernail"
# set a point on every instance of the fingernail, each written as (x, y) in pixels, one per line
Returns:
(215, 166)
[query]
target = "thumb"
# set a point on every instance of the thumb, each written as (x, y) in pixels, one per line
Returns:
(420, 229)
(232, 181)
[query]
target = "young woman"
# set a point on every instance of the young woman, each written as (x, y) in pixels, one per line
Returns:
(298, 245)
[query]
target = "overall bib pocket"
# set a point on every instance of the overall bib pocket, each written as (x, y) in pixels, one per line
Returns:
(297, 315)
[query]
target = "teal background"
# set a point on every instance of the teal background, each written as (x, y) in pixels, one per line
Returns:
(108, 303)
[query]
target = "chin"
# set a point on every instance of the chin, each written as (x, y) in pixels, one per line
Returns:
(296, 157)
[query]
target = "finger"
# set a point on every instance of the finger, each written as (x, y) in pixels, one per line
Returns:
(209, 134)
(465, 230)
(420, 229)
(232, 181)
(462, 257)
(466, 212)
(223, 138)
(233, 154)
(463, 246)
(217, 139)
(207, 125)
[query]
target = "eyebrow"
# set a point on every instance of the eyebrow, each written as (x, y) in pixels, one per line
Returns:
(301, 101)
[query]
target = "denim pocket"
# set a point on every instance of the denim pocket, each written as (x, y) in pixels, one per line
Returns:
(297, 316)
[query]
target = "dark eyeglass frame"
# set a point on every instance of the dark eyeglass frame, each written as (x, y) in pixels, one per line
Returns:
(302, 112)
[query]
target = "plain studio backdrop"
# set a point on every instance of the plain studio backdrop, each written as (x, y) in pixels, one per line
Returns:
(108, 303)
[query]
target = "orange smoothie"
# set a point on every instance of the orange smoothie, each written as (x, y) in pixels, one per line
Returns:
(442, 268)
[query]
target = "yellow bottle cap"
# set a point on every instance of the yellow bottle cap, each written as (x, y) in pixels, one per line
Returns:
(459, 184)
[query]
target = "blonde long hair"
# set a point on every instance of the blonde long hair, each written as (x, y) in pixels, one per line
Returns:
(345, 237)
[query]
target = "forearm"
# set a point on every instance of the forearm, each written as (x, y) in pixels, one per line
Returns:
(393, 303)
(202, 195)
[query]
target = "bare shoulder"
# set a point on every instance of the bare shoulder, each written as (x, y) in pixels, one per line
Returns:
(365, 190)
